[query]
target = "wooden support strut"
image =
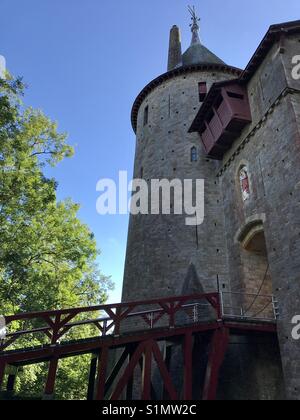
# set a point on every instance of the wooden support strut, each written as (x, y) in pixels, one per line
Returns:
(217, 353)
(188, 367)
(102, 368)
(147, 364)
(130, 384)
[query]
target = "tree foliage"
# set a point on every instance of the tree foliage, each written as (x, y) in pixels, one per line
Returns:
(47, 255)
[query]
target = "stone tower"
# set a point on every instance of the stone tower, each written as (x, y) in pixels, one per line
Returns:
(161, 248)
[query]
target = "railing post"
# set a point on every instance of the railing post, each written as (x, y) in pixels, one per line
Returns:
(118, 322)
(172, 315)
(195, 314)
(151, 320)
(104, 328)
(221, 305)
(275, 307)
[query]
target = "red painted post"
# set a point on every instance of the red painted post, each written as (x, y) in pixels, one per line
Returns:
(55, 330)
(2, 372)
(50, 384)
(102, 368)
(217, 353)
(118, 321)
(188, 367)
(147, 365)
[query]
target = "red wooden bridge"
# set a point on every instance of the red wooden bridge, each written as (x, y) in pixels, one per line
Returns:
(129, 337)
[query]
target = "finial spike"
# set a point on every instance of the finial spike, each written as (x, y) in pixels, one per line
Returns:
(195, 25)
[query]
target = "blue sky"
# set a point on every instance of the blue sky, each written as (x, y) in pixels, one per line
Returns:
(86, 60)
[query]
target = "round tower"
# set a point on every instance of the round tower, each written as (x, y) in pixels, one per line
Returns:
(165, 257)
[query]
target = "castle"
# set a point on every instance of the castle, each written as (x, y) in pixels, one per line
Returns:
(239, 130)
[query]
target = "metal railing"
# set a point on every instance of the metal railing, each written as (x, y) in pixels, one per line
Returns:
(249, 306)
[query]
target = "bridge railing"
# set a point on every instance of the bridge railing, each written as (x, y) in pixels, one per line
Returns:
(55, 327)
(249, 306)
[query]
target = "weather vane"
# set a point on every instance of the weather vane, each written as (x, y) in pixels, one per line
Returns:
(195, 25)
(194, 17)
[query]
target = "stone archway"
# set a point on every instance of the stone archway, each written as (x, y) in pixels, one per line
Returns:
(256, 282)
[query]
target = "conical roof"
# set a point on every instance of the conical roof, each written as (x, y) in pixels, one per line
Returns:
(199, 54)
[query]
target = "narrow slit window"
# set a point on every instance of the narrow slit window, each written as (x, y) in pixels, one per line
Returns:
(146, 115)
(202, 91)
(235, 95)
(194, 154)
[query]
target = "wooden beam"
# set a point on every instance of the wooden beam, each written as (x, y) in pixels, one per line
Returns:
(50, 384)
(102, 368)
(217, 353)
(147, 372)
(167, 362)
(188, 367)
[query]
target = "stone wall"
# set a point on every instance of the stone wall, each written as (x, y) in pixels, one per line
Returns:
(162, 248)
(272, 154)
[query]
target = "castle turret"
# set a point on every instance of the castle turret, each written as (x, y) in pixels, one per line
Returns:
(162, 248)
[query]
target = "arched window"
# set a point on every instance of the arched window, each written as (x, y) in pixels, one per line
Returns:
(245, 183)
(194, 154)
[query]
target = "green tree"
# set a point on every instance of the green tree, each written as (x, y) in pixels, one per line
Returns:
(47, 255)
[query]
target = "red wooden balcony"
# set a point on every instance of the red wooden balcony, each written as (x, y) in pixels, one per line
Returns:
(223, 120)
